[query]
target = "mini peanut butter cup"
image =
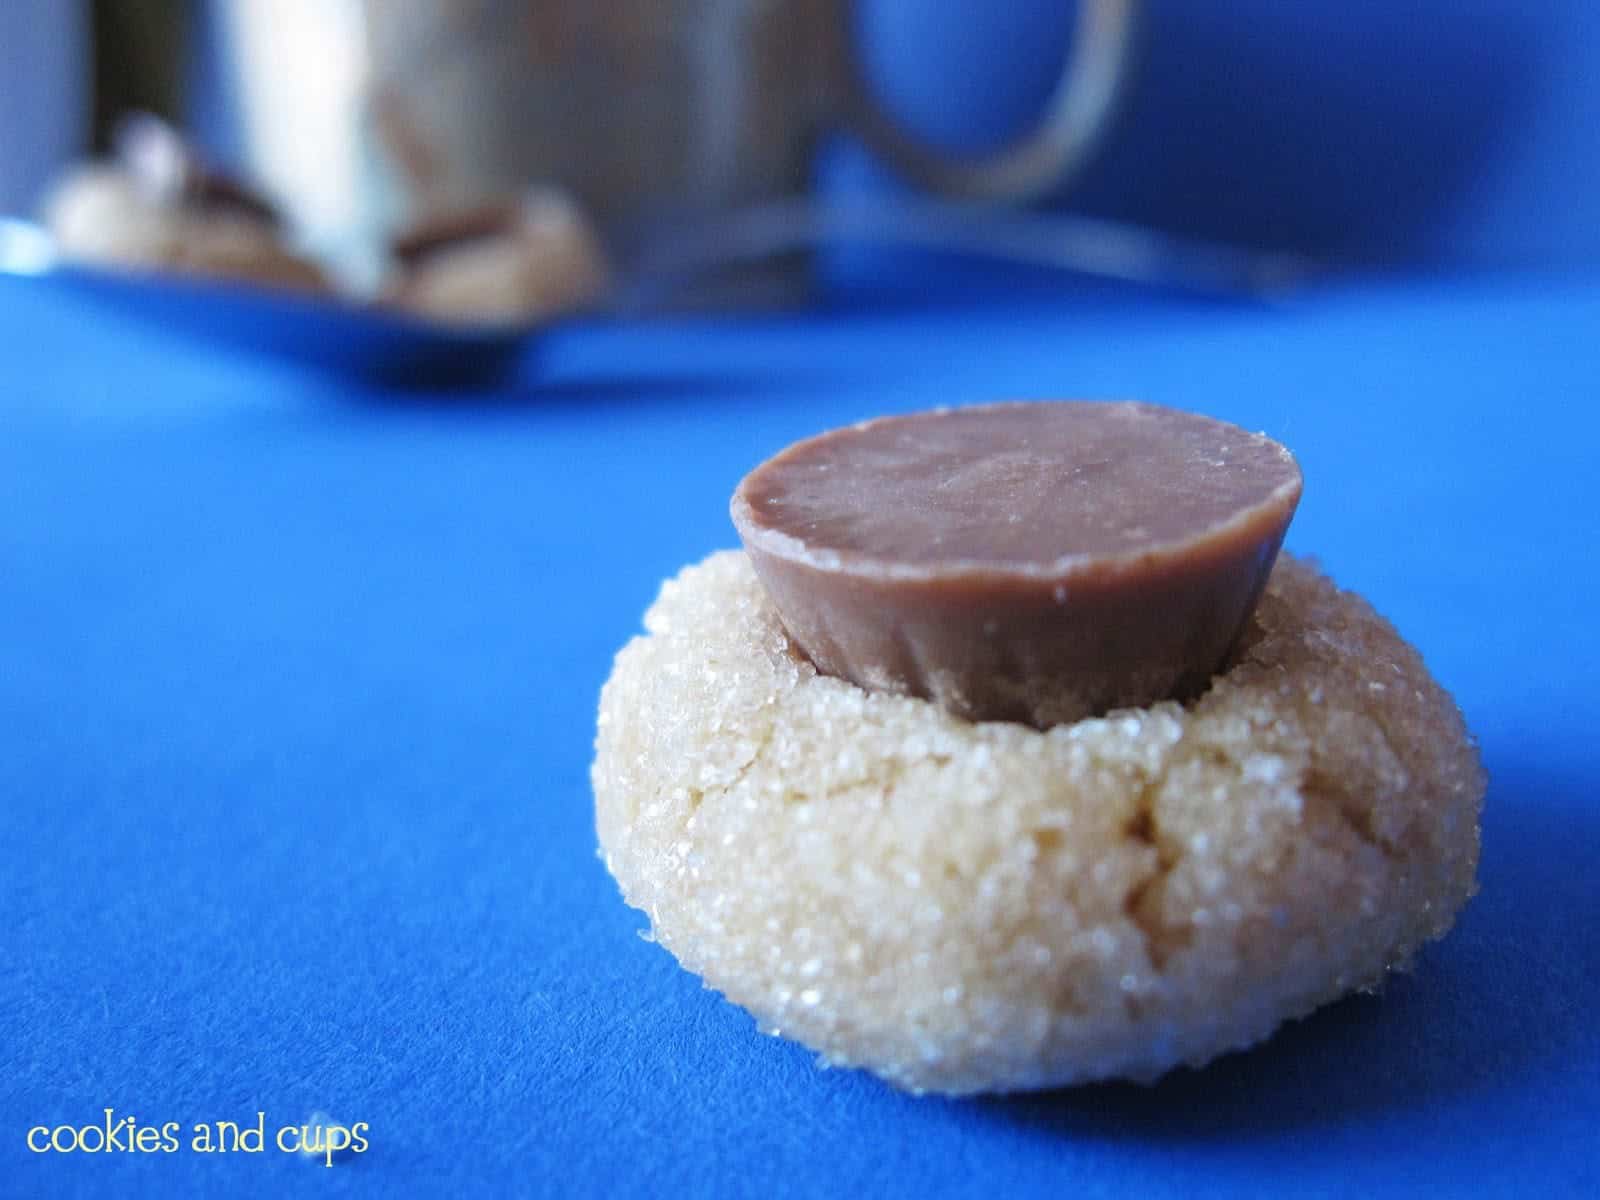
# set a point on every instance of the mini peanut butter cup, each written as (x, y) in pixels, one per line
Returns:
(1032, 562)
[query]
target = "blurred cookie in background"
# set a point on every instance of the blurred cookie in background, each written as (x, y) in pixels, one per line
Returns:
(155, 204)
(518, 261)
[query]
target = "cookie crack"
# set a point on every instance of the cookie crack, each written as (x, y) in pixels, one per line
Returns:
(767, 737)
(1347, 810)
(1361, 823)
(1139, 906)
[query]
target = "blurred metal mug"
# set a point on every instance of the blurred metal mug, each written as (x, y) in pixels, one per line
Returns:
(647, 110)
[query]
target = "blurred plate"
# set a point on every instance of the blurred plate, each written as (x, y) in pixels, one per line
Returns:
(362, 341)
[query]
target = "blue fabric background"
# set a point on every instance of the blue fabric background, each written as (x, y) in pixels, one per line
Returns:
(1427, 132)
(297, 692)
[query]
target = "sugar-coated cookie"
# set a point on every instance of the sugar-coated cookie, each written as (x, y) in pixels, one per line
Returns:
(964, 907)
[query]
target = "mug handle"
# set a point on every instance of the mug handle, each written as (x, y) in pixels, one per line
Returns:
(1085, 98)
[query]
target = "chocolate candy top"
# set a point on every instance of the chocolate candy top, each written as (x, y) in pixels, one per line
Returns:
(1036, 562)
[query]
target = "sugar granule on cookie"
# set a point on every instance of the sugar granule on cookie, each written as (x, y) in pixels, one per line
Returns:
(962, 905)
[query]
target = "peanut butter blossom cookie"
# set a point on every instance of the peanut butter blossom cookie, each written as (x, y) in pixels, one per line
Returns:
(1011, 754)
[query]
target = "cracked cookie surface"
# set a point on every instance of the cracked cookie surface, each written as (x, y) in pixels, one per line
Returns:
(966, 907)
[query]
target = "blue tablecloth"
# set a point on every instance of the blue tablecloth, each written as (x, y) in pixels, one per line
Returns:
(297, 693)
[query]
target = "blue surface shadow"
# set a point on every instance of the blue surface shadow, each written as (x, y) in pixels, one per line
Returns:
(592, 392)
(360, 344)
